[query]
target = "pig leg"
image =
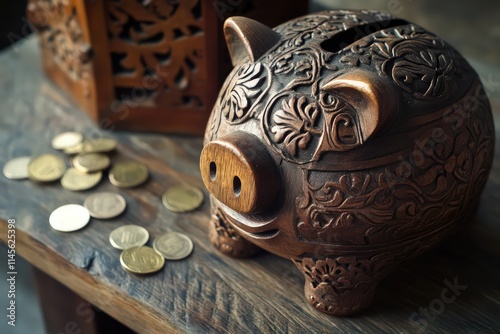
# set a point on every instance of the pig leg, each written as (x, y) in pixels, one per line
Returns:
(339, 285)
(226, 239)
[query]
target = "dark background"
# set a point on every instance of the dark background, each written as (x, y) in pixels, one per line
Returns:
(12, 21)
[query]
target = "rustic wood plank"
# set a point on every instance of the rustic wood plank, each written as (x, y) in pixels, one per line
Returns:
(209, 292)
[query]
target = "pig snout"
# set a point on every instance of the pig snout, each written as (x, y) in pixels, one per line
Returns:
(239, 171)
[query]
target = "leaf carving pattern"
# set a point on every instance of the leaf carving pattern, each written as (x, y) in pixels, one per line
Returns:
(242, 92)
(418, 62)
(295, 124)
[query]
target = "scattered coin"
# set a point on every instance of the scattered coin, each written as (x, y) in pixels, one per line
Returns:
(128, 174)
(74, 149)
(128, 236)
(69, 218)
(75, 180)
(173, 246)
(46, 168)
(66, 139)
(182, 198)
(16, 168)
(141, 260)
(91, 162)
(105, 205)
(101, 145)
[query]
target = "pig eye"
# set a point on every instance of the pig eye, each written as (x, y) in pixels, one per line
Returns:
(345, 131)
(327, 99)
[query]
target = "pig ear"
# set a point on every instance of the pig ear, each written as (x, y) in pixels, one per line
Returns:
(375, 100)
(248, 39)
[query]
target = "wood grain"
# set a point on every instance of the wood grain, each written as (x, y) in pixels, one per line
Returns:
(141, 66)
(240, 163)
(208, 292)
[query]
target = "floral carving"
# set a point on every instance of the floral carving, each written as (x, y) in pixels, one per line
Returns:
(342, 273)
(397, 200)
(295, 124)
(358, 55)
(421, 70)
(419, 62)
(343, 284)
(242, 92)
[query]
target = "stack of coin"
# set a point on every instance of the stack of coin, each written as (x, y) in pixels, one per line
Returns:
(89, 162)
(101, 145)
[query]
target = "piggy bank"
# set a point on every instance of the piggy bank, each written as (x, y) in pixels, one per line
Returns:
(347, 142)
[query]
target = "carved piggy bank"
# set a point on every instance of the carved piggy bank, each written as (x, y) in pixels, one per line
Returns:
(346, 141)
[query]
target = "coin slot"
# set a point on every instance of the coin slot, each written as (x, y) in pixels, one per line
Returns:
(349, 36)
(236, 186)
(213, 171)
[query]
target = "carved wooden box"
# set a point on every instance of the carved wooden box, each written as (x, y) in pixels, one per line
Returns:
(346, 141)
(152, 65)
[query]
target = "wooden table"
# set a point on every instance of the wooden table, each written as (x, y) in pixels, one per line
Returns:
(208, 292)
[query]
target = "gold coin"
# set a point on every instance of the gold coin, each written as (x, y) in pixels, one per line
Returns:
(74, 149)
(182, 198)
(141, 260)
(91, 162)
(75, 180)
(46, 168)
(128, 236)
(173, 246)
(102, 145)
(128, 174)
(66, 139)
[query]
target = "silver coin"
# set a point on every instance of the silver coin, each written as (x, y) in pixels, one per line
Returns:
(173, 246)
(17, 168)
(128, 236)
(69, 218)
(66, 140)
(105, 205)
